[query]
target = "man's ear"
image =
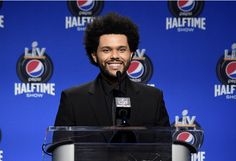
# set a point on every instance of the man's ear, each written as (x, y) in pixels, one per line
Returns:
(94, 57)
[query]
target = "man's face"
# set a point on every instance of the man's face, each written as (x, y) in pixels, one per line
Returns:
(113, 54)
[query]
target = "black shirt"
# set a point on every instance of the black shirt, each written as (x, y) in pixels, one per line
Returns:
(112, 90)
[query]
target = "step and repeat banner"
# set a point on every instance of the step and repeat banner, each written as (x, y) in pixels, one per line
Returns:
(187, 49)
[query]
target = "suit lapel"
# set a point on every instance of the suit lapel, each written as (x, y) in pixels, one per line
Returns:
(132, 88)
(98, 104)
(99, 107)
(133, 92)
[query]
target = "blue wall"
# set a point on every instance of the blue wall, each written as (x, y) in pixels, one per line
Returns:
(184, 68)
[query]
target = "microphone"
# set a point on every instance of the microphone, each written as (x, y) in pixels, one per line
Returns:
(122, 105)
(118, 76)
(122, 115)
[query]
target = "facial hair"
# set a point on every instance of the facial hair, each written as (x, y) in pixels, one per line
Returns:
(108, 75)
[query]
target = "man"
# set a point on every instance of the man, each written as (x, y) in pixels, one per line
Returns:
(110, 43)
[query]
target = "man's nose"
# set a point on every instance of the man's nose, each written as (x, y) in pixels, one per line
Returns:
(114, 54)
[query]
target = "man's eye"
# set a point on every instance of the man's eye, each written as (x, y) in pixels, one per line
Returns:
(122, 50)
(106, 50)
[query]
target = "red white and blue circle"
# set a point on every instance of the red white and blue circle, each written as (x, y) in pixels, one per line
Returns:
(186, 5)
(34, 68)
(230, 70)
(136, 69)
(85, 5)
(186, 137)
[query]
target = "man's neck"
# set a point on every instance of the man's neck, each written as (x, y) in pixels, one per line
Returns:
(112, 80)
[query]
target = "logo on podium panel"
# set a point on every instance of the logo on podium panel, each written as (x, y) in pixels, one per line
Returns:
(34, 68)
(187, 129)
(83, 11)
(141, 68)
(226, 73)
(185, 14)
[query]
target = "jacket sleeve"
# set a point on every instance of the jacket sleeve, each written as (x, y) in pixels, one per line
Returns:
(162, 117)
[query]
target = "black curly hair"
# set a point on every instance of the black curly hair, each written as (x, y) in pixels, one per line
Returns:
(111, 23)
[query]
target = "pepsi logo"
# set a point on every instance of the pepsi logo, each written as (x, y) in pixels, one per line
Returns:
(226, 70)
(34, 68)
(136, 69)
(85, 5)
(186, 5)
(37, 67)
(140, 69)
(194, 137)
(186, 137)
(230, 70)
(185, 8)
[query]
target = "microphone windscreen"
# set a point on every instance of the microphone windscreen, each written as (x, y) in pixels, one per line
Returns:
(118, 74)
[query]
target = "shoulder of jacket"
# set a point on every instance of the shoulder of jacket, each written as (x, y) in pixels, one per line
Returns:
(79, 89)
(144, 87)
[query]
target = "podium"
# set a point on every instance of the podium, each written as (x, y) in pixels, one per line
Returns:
(113, 144)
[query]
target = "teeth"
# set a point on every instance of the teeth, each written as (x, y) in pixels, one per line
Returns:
(114, 65)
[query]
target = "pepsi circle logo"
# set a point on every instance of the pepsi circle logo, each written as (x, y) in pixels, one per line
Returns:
(194, 137)
(230, 70)
(186, 137)
(37, 70)
(140, 69)
(185, 8)
(85, 5)
(34, 68)
(136, 69)
(226, 70)
(186, 5)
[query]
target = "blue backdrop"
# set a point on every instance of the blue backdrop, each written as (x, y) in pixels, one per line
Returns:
(184, 67)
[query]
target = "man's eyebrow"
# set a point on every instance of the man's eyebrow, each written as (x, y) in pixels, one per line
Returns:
(122, 46)
(118, 47)
(106, 47)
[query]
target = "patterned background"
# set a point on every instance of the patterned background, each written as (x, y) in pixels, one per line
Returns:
(184, 67)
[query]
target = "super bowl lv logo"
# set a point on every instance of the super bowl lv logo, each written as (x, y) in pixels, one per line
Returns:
(187, 130)
(34, 69)
(185, 14)
(226, 72)
(83, 12)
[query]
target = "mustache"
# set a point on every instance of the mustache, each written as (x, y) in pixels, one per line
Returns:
(114, 60)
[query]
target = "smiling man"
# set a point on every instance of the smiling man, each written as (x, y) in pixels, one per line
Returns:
(113, 54)
(110, 42)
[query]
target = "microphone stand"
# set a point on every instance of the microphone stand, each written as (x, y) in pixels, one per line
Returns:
(123, 113)
(123, 135)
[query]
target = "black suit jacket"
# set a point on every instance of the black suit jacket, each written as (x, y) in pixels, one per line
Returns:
(86, 106)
